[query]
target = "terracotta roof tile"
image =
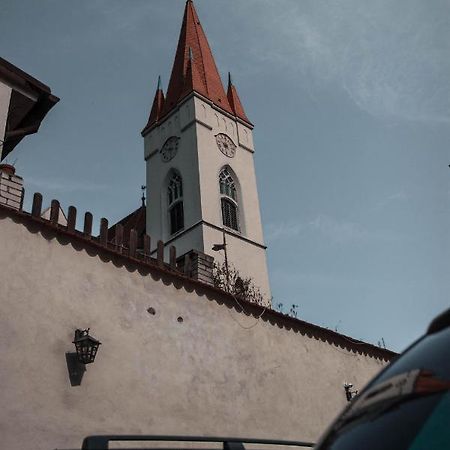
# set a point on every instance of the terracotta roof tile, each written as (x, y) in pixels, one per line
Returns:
(137, 221)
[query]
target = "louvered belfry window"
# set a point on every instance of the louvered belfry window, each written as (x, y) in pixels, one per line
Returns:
(175, 202)
(229, 214)
(228, 200)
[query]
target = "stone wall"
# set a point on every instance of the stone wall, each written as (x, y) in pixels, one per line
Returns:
(177, 357)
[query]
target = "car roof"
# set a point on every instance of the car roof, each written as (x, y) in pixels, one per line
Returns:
(440, 322)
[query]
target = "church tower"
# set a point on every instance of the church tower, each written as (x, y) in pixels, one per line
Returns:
(201, 183)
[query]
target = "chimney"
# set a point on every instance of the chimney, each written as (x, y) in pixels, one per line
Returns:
(197, 265)
(11, 187)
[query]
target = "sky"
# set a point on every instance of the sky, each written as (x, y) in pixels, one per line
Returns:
(351, 105)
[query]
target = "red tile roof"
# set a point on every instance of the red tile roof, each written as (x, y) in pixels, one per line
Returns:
(157, 107)
(136, 220)
(194, 69)
(235, 101)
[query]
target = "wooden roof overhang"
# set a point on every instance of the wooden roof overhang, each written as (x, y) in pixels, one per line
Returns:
(30, 102)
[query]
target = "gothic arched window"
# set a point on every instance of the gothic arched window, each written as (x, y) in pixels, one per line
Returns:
(175, 203)
(228, 199)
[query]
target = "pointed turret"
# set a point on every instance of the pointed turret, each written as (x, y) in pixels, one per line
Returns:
(234, 101)
(194, 68)
(157, 107)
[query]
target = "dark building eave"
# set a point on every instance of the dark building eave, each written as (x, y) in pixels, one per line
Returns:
(30, 102)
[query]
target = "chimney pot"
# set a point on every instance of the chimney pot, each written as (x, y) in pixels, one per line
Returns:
(8, 169)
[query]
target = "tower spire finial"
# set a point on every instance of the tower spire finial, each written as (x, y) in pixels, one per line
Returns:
(230, 80)
(194, 55)
(159, 83)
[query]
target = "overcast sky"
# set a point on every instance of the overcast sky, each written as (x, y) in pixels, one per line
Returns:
(351, 105)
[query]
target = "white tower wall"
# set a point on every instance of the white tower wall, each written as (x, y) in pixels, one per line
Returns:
(199, 161)
(181, 124)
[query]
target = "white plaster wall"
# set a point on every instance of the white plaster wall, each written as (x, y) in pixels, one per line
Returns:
(185, 242)
(217, 373)
(5, 97)
(211, 161)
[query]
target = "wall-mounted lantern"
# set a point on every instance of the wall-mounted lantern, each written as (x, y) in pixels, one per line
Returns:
(86, 346)
(348, 391)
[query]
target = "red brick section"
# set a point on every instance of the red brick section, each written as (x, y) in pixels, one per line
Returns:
(235, 102)
(157, 108)
(200, 74)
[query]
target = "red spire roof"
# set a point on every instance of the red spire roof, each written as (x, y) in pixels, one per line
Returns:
(194, 68)
(157, 107)
(235, 102)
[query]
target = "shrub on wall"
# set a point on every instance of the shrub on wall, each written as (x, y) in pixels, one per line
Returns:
(229, 280)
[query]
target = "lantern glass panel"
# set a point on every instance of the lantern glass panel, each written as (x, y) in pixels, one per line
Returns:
(86, 346)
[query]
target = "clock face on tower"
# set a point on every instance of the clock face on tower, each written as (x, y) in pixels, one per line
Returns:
(169, 149)
(226, 145)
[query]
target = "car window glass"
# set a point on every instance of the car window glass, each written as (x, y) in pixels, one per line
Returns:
(432, 353)
(397, 428)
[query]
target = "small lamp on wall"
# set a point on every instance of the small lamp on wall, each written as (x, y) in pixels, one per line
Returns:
(349, 394)
(86, 346)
